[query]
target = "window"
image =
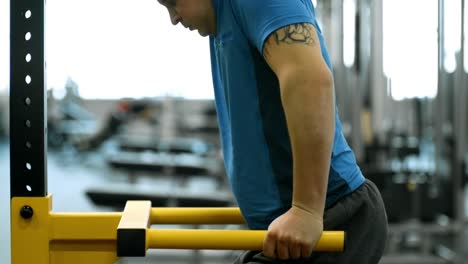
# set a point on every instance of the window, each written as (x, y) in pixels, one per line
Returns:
(123, 48)
(410, 47)
(452, 31)
(4, 45)
(465, 15)
(349, 32)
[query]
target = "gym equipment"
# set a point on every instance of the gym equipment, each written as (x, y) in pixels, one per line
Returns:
(173, 146)
(181, 167)
(118, 197)
(130, 226)
(67, 118)
(118, 118)
(41, 236)
(182, 164)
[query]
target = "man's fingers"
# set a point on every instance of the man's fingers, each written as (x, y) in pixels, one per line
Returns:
(282, 249)
(277, 248)
(269, 246)
(295, 250)
(306, 251)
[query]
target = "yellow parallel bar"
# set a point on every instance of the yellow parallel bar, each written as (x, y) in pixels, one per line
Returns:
(83, 237)
(136, 215)
(193, 215)
(50, 238)
(229, 239)
(30, 237)
(84, 226)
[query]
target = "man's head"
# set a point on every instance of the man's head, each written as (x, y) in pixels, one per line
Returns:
(192, 14)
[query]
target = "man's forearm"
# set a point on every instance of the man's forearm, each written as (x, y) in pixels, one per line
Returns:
(309, 108)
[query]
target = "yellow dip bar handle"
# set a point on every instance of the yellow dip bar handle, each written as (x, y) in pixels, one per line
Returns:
(196, 215)
(229, 239)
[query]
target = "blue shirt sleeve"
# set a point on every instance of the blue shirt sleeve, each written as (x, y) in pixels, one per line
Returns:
(259, 18)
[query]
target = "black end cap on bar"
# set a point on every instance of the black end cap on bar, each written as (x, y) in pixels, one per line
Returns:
(131, 242)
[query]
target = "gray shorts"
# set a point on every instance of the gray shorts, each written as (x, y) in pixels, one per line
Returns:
(361, 215)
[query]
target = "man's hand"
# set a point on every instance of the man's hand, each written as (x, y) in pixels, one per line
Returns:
(293, 235)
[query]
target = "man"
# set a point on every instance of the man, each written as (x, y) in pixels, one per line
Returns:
(289, 165)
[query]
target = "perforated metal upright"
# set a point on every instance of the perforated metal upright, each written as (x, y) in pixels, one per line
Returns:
(30, 205)
(28, 160)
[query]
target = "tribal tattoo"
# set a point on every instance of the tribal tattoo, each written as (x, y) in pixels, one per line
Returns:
(296, 33)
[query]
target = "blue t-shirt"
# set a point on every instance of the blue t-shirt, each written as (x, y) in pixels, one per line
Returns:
(254, 135)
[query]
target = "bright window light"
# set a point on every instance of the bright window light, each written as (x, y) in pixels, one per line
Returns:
(452, 31)
(121, 48)
(465, 14)
(410, 47)
(4, 45)
(349, 32)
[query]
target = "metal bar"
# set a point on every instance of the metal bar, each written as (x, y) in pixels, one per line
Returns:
(136, 215)
(458, 105)
(28, 168)
(187, 215)
(131, 232)
(379, 96)
(229, 239)
(61, 238)
(459, 119)
(30, 236)
(84, 226)
(463, 90)
(441, 98)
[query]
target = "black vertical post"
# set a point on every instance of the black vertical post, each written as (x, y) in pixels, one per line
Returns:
(28, 162)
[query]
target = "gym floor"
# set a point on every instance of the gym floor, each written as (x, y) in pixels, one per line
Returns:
(69, 177)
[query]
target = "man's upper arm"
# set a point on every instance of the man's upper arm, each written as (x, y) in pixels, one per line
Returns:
(296, 49)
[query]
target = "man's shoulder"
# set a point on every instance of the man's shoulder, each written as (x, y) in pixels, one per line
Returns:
(263, 3)
(248, 4)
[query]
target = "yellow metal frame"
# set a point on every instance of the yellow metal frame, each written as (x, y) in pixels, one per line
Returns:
(49, 237)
